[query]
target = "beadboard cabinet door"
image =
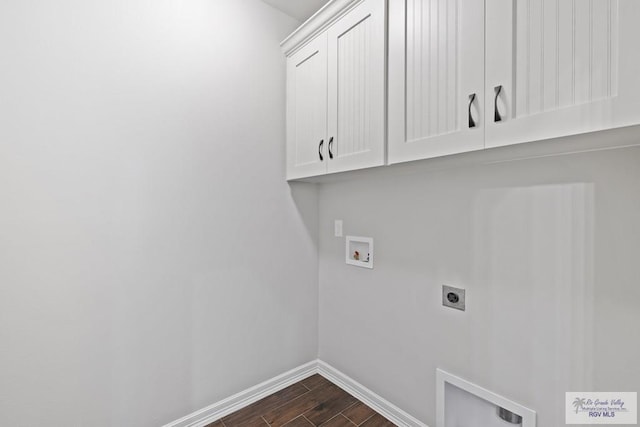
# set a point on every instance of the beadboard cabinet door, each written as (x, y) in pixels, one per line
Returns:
(436, 78)
(356, 88)
(307, 110)
(560, 67)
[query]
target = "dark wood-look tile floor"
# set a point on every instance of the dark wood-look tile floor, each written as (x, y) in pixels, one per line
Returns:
(312, 402)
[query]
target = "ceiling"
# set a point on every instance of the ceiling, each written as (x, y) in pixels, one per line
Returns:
(299, 9)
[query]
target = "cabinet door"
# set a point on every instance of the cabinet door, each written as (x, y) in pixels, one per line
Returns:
(356, 58)
(307, 110)
(436, 78)
(560, 67)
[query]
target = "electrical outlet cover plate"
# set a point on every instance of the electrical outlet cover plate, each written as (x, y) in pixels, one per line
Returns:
(453, 297)
(337, 228)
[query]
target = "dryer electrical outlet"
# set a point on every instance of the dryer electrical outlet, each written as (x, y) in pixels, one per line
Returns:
(453, 297)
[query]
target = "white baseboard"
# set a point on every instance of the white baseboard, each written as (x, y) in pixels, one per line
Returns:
(245, 398)
(377, 403)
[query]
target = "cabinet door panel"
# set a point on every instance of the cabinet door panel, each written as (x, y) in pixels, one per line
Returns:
(436, 61)
(356, 88)
(307, 110)
(565, 67)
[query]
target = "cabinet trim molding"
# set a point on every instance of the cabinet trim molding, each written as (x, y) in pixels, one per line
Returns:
(315, 25)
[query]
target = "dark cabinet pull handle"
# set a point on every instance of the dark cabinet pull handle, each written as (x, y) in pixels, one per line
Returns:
(329, 147)
(472, 123)
(320, 149)
(496, 114)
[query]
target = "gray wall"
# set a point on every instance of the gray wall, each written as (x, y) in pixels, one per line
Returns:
(153, 259)
(548, 252)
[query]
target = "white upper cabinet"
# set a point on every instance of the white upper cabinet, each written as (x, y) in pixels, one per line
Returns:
(560, 67)
(356, 59)
(472, 74)
(457, 75)
(336, 90)
(436, 78)
(307, 110)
